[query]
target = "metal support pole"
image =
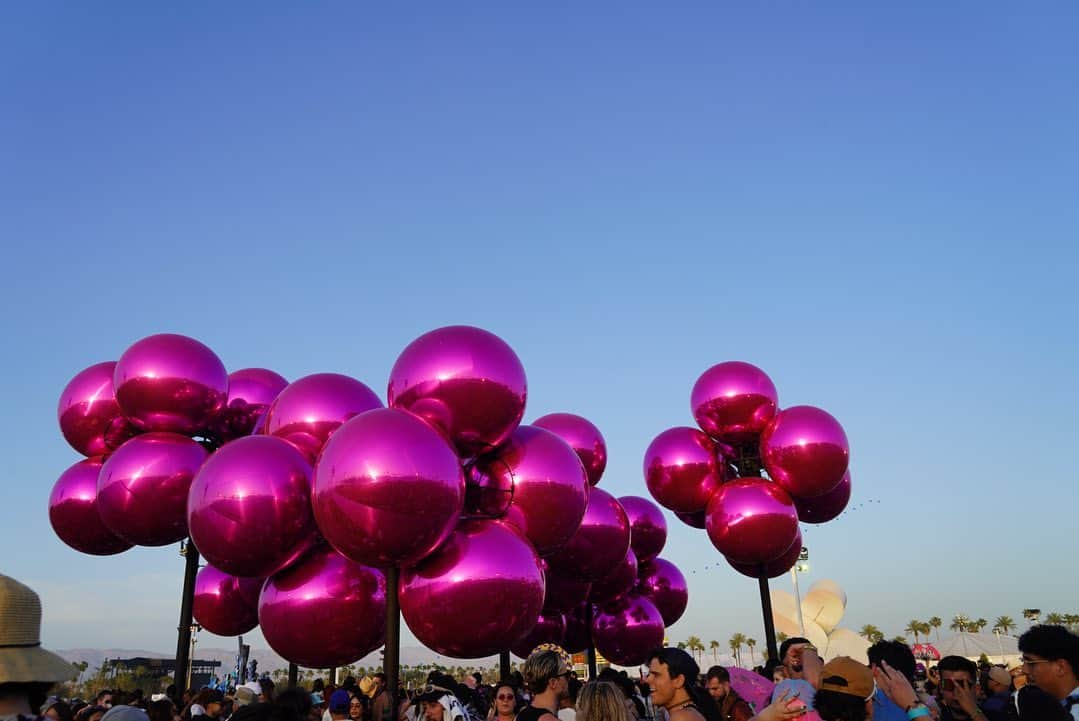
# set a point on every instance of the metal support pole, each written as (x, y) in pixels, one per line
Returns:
(391, 657)
(187, 602)
(293, 675)
(504, 665)
(592, 671)
(769, 622)
(798, 598)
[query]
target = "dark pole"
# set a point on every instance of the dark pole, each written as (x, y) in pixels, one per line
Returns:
(769, 622)
(187, 602)
(391, 656)
(592, 672)
(293, 675)
(504, 665)
(333, 676)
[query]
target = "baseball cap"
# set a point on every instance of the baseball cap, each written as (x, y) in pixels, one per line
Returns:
(845, 675)
(1001, 676)
(339, 701)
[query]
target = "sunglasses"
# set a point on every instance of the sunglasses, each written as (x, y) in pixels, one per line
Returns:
(505, 697)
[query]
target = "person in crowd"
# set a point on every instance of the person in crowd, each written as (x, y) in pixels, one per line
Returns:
(568, 706)
(932, 681)
(293, 704)
(505, 704)
(27, 671)
(161, 710)
(601, 701)
(773, 670)
(673, 681)
(998, 693)
(732, 707)
(440, 703)
(625, 688)
(357, 707)
(846, 689)
(958, 690)
(899, 657)
(546, 676)
(91, 713)
(1032, 704)
(208, 702)
(266, 690)
(802, 666)
(57, 710)
(380, 699)
(103, 698)
(1051, 661)
(338, 705)
(1019, 676)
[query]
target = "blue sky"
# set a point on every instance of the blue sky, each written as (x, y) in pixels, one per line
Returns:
(876, 205)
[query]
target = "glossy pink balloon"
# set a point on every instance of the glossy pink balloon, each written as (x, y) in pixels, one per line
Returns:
(477, 595)
(251, 391)
(170, 382)
(682, 469)
(313, 407)
(617, 583)
(578, 632)
(648, 527)
(142, 489)
(549, 628)
(89, 416)
(226, 605)
(388, 489)
(466, 382)
(74, 515)
(599, 544)
(249, 509)
(805, 450)
(693, 520)
(488, 488)
(562, 594)
(734, 401)
(821, 509)
(583, 437)
(662, 582)
(324, 611)
(550, 487)
(774, 568)
(751, 520)
(627, 630)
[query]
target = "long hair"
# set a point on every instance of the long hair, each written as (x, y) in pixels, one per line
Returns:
(835, 706)
(601, 701)
(680, 663)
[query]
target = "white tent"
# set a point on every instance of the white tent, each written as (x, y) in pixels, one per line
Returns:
(999, 649)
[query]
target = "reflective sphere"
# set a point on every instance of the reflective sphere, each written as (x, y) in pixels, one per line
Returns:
(683, 468)
(251, 391)
(751, 520)
(89, 416)
(662, 582)
(550, 487)
(313, 407)
(478, 594)
(562, 594)
(617, 583)
(734, 401)
(466, 382)
(599, 544)
(142, 488)
(774, 568)
(249, 510)
(805, 450)
(578, 631)
(627, 630)
(74, 515)
(324, 611)
(549, 628)
(648, 527)
(170, 382)
(388, 489)
(821, 509)
(226, 605)
(583, 437)
(693, 520)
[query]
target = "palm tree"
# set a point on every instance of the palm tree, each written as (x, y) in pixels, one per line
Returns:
(979, 624)
(751, 642)
(913, 629)
(936, 623)
(736, 647)
(781, 637)
(682, 645)
(714, 645)
(1054, 619)
(960, 623)
(695, 646)
(1004, 624)
(871, 633)
(900, 639)
(1032, 614)
(1071, 620)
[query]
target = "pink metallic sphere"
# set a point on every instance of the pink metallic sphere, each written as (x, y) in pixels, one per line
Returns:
(477, 595)
(549, 628)
(599, 544)
(578, 633)
(647, 525)
(74, 515)
(142, 489)
(821, 509)
(313, 407)
(774, 568)
(388, 489)
(662, 582)
(734, 401)
(583, 437)
(324, 611)
(89, 416)
(805, 450)
(683, 469)
(251, 391)
(617, 583)
(226, 605)
(249, 509)
(466, 382)
(751, 520)
(627, 630)
(693, 520)
(170, 382)
(550, 487)
(562, 594)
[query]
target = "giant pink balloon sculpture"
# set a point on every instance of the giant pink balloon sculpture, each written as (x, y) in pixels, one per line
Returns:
(751, 518)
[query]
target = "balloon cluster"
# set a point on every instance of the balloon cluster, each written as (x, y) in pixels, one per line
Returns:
(300, 495)
(818, 618)
(712, 476)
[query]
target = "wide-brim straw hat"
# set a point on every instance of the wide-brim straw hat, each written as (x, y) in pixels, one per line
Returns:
(22, 659)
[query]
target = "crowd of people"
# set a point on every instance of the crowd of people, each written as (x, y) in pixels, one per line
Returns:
(1044, 687)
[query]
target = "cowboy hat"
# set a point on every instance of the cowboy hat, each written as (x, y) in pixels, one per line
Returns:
(22, 660)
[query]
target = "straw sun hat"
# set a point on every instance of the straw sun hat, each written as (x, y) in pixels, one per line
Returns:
(22, 660)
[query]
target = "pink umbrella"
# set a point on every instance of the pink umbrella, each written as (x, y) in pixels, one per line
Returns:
(926, 651)
(751, 686)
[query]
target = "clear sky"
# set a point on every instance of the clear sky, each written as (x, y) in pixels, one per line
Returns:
(875, 204)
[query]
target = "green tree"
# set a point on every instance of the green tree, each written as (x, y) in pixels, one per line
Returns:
(913, 629)
(695, 647)
(1054, 619)
(714, 645)
(1032, 614)
(752, 642)
(979, 624)
(1004, 624)
(781, 637)
(960, 623)
(682, 645)
(736, 647)
(871, 633)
